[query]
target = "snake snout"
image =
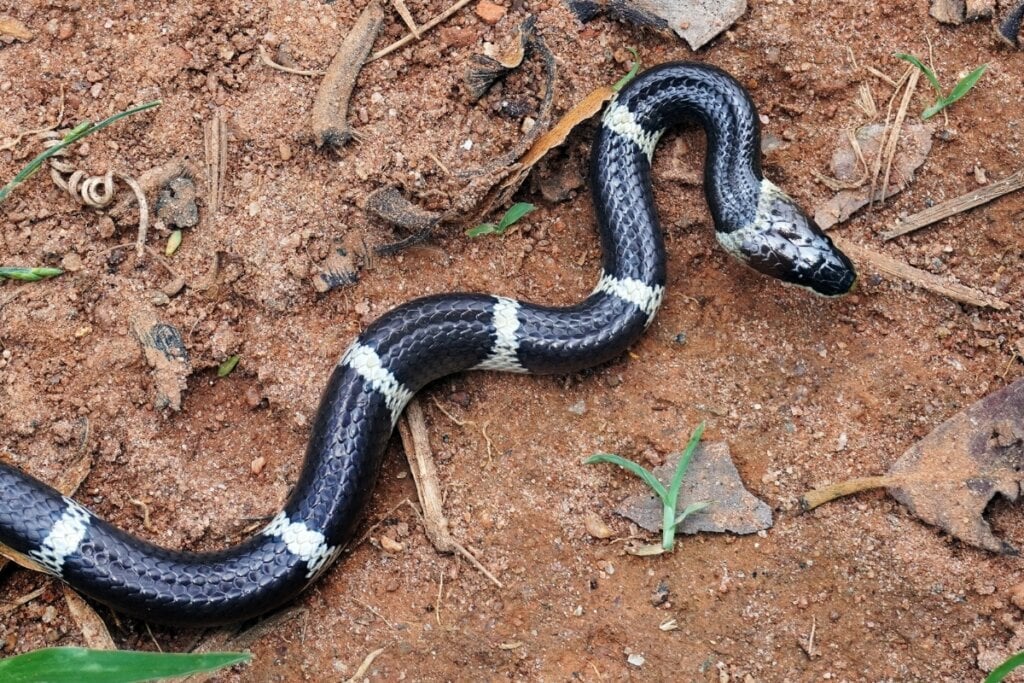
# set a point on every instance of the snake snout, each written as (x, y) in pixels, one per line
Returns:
(785, 243)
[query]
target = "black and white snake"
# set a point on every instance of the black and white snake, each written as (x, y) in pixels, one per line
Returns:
(428, 338)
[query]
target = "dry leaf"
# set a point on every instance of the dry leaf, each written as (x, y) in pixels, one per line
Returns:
(950, 476)
(915, 144)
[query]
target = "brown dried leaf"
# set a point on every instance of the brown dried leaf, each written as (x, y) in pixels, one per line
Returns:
(94, 631)
(950, 476)
(713, 477)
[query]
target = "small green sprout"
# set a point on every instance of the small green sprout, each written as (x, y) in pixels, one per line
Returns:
(943, 100)
(669, 497)
(28, 274)
(634, 69)
(228, 366)
(77, 133)
(513, 215)
(998, 674)
(81, 665)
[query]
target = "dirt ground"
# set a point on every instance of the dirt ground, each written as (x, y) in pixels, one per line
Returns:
(805, 391)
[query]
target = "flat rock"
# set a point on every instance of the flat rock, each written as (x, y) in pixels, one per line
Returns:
(712, 476)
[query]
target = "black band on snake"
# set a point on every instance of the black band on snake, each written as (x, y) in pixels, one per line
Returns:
(435, 336)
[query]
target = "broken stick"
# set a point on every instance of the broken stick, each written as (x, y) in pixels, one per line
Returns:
(951, 207)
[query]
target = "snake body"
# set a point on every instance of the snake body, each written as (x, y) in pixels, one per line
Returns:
(435, 336)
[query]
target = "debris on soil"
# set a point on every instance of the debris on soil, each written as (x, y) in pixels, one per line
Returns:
(389, 204)
(597, 527)
(1009, 28)
(337, 270)
(176, 201)
(958, 11)
(949, 477)
(94, 631)
(712, 476)
(487, 69)
(216, 146)
(922, 278)
(330, 108)
(695, 21)
(11, 30)
(166, 354)
(412, 427)
(951, 207)
(405, 40)
(846, 167)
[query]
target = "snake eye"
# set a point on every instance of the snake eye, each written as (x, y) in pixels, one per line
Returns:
(784, 243)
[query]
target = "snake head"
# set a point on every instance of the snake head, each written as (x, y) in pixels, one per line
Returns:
(783, 242)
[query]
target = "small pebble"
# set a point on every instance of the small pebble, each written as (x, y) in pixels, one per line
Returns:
(1017, 595)
(489, 12)
(578, 408)
(596, 526)
(257, 465)
(391, 545)
(636, 660)
(284, 150)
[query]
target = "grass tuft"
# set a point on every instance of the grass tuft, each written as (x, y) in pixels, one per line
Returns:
(943, 100)
(670, 496)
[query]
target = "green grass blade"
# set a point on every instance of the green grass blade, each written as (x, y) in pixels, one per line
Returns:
(965, 84)
(634, 69)
(81, 665)
(228, 366)
(514, 214)
(929, 74)
(684, 464)
(77, 133)
(691, 509)
(482, 229)
(934, 109)
(1003, 670)
(28, 274)
(636, 469)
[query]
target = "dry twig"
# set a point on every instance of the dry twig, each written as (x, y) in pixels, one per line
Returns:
(402, 42)
(265, 58)
(890, 266)
(951, 207)
(415, 440)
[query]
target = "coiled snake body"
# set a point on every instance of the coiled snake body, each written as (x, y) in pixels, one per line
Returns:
(435, 336)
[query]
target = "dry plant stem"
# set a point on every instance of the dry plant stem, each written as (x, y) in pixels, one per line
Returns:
(951, 207)
(825, 494)
(216, 140)
(16, 140)
(330, 108)
(23, 600)
(416, 442)
(365, 666)
(406, 15)
(876, 171)
(898, 269)
(897, 127)
(402, 42)
(265, 58)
